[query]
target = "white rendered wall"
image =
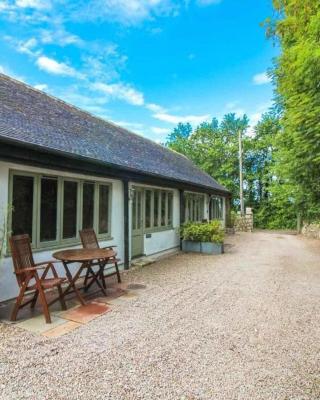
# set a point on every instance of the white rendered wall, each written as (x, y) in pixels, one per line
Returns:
(168, 239)
(8, 283)
(163, 240)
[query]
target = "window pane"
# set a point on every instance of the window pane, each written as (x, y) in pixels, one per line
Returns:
(197, 208)
(201, 205)
(194, 217)
(139, 208)
(220, 207)
(163, 208)
(148, 209)
(103, 208)
(216, 207)
(48, 209)
(22, 202)
(170, 199)
(70, 201)
(134, 211)
(156, 208)
(87, 205)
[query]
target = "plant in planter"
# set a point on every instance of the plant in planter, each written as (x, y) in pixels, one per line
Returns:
(203, 237)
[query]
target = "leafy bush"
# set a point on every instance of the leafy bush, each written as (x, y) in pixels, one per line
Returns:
(203, 232)
(233, 216)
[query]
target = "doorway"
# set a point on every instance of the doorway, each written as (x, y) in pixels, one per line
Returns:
(137, 243)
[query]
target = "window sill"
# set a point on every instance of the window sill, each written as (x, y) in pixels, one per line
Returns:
(57, 246)
(160, 229)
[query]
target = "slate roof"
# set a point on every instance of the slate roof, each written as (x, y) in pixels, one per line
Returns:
(33, 117)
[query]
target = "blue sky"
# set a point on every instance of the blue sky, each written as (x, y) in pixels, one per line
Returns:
(145, 65)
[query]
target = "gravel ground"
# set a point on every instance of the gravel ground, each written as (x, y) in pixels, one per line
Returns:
(244, 325)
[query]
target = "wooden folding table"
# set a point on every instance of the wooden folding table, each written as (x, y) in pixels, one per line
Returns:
(86, 258)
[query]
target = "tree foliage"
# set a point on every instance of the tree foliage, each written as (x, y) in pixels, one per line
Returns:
(296, 75)
(214, 148)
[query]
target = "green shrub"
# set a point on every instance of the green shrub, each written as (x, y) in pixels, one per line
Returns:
(203, 232)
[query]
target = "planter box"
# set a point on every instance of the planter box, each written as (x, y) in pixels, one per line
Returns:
(202, 247)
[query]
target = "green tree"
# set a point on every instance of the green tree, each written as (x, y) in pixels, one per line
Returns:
(178, 139)
(213, 146)
(270, 193)
(297, 78)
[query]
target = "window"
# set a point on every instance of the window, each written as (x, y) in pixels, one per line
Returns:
(158, 209)
(170, 207)
(48, 209)
(148, 205)
(88, 205)
(70, 209)
(103, 209)
(216, 208)
(52, 209)
(156, 203)
(163, 208)
(194, 207)
(22, 200)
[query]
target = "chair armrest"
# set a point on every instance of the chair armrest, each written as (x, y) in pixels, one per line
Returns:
(46, 263)
(26, 270)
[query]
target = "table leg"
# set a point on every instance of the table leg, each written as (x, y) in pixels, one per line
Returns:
(95, 278)
(72, 282)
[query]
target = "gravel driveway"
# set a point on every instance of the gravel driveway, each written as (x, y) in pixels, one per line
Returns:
(244, 325)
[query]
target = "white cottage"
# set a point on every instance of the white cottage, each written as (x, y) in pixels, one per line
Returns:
(63, 169)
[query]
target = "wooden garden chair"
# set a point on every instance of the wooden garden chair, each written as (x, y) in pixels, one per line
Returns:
(26, 271)
(89, 241)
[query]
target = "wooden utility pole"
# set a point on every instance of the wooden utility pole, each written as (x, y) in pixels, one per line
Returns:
(240, 173)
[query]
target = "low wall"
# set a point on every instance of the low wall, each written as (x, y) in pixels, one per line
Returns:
(244, 223)
(311, 230)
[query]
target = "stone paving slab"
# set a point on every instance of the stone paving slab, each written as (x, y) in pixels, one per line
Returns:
(86, 313)
(62, 329)
(39, 325)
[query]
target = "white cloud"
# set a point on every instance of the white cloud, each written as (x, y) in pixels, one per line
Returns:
(22, 46)
(155, 108)
(208, 2)
(261, 79)
(129, 11)
(36, 4)
(41, 86)
(104, 63)
(28, 47)
(120, 91)
(57, 68)
(175, 119)
(156, 31)
(59, 36)
(160, 131)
